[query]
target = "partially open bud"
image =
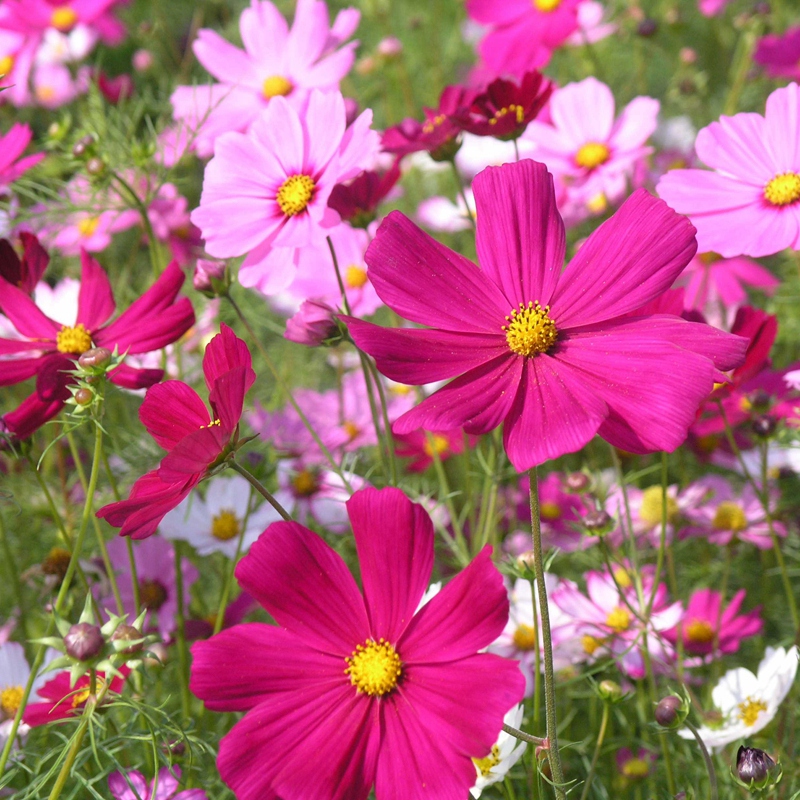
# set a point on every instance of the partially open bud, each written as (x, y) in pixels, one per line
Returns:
(756, 769)
(211, 277)
(312, 325)
(127, 633)
(610, 691)
(96, 358)
(84, 641)
(598, 522)
(671, 711)
(576, 482)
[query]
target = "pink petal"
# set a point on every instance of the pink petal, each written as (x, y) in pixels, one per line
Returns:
(171, 411)
(427, 283)
(263, 29)
(225, 352)
(227, 398)
(783, 128)
(520, 237)
(25, 315)
(306, 587)
(17, 370)
(478, 400)
(309, 32)
(584, 111)
(130, 378)
(193, 454)
(30, 415)
(738, 146)
(280, 132)
(628, 261)
(698, 191)
(325, 112)
(225, 62)
(394, 540)
(96, 300)
(636, 123)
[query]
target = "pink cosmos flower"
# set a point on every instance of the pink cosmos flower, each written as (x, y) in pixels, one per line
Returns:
(524, 33)
(276, 62)
(750, 204)
(48, 350)
(12, 146)
(132, 785)
(17, 53)
(710, 8)
(586, 144)
(634, 767)
(420, 446)
(347, 690)
(592, 26)
(31, 16)
(266, 194)
(780, 54)
(549, 353)
(727, 515)
(705, 621)
(179, 421)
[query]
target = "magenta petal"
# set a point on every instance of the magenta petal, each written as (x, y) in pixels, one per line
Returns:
(171, 411)
(225, 352)
(324, 740)
(30, 415)
(416, 356)
(25, 315)
(553, 414)
(242, 666)
(520, 238)
(52, 377)
(390, 529)
(306, 587)
(478, 401)
(428, 283)
(18, 369)
(466, 616)
(628, 261)
(152, 332)
(96, 300)
(130, 378)
(193, 454)
(227, 399)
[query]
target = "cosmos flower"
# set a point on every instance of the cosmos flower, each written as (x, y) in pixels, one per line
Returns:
(549, 353)
(749, 202)
(132, 785)
(14, 675)
(420, 446)
(277, 61)
(780, 54)
(12, 146)
(347, 690)
(197, 441)
(747, 702)
(504, 755)
(357, 201)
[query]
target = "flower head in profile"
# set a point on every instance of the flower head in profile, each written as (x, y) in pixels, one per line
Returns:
(132, 785)
(558, 357)
(348, 691)
(197, 441)
(749, 202)
(748, 702)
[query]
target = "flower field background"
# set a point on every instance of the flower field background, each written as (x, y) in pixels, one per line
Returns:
(296, 501)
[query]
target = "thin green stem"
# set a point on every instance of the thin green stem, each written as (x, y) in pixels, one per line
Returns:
(260, 488)
(444, 492)
(152, 243)
(516, 150)
(712, 775)
(180, 633)
(462, 193)
(13, 574)
(522, 736)
(662, 544)
(62, 529)
(553, 754)
(743, 60)
(596, 755)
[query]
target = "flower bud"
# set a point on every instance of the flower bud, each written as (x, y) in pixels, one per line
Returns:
(95, 166)
(84, 641)
(312, 325)
(390, 46)
(671, 711)
(95, 358)
(128, 633)
(610, 691)
(763, 425)
(598, 522)
(211, 277)
(79, 150)
(647, 27)
(576, 482)
(142, 60)
(84, 397)
(756, 769)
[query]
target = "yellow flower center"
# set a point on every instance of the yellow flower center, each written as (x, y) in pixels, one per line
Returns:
(592, 155)
(75, 340)
(305, 483)
(729, 517)
(355, 277)
(351, 429)
(635, 768)
(485, 765)
(590, 644)
(374, 668)
(6, 64)
(295, 194)
(530, 329)
(431, 125)
(622, 578)
(709, 258)
(546, 5)
(700, 631)
(550, 511)
(783, 189)
(525, 638)
(225, 525)
(518, 111)
(435, 443)
(87, 226)
(276, 86)
(45, 93)
(750, 709)
(56, 562)
(619, 619)
(152, 594)
(63, 18)
(652, 508)
(597, 204)
(10, 698)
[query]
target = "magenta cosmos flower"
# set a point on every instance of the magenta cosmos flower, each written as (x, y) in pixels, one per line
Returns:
(750, 204)
(780, 54)
(48, 350)
(197, 441)
(558, 356)
(269, 189)
(347, 690)
(276, 62)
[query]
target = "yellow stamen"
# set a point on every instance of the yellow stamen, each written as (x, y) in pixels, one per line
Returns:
(623, 578)
(635, 768)
(619, 619)
(525, 638)
(590, 644)
(45, 93)
(431, 125)
(699, 631)
(152, 594)
(750, 709)
(225, 525)
(295, 194)
(729, 517)
(6, 64)
(10, 698)
(546, 5)
(592, 155)
(530, 329)
(305, 483)
(652, 508)
(435, 443)
(355, 277)
(87, 226)
(374, 668)
(518, 111)
(75, 340)
(351, 429)
(783, 189)
(276, 86)
(485, 765)
(63, 18)
(597, 204)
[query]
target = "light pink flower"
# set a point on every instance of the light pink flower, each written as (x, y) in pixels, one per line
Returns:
(266, 193)
(276, 62)
(750, 204)
(132, 785)
(591, 25)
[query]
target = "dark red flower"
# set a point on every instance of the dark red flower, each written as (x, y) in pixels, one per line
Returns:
(196, 441)
(24, 273)
(357, 201)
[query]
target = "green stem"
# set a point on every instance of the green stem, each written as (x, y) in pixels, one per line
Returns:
(744, 51)
(600, 737)
(62, 529)
(662, 544)
(553, 754)
(152, 243)
(462, 192)
(13, 574)
(712, 775)
(444, 492)
(260, 488)
(180, 633)
(226, 589)
(522, 736)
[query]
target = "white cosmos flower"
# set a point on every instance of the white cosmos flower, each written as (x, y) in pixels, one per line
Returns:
(504, 754)
(14, 674)
(213, 524)
(749, 702)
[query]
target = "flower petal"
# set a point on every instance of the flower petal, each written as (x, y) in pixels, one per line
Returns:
(96, 300)
(25, 315)
(225, 352)
(171, 411)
